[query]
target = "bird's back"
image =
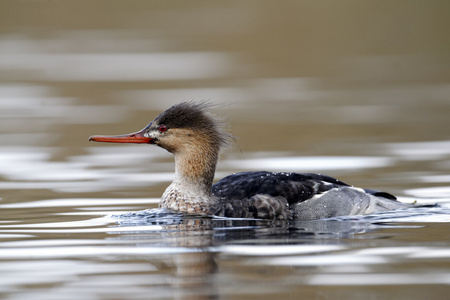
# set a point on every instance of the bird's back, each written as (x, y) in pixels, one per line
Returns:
(296, 196)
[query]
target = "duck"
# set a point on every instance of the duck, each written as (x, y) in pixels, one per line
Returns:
(196, 138)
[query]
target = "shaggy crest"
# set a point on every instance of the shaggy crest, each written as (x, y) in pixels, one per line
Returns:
(195, 116)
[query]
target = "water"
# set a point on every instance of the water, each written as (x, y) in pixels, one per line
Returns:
(359, 93)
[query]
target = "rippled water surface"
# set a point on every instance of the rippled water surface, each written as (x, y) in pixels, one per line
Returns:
(358, 91)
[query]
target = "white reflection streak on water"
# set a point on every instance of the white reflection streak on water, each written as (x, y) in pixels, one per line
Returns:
(30, 168)
(58, 270)
(317, 260)
(438, 192)
(265, 250)
(33, 102)
(428, 150)
(83, 202)
(337, 267)
(310, 163)
(131, 229)
(380, 279)
(83, 251)
(375, 255)
(435, 178)
(118, 67)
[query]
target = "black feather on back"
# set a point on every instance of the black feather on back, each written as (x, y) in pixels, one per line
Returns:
(294, 187)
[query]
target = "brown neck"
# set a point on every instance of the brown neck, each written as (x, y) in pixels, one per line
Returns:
(190, 190)
(196, 157)
(195, 170)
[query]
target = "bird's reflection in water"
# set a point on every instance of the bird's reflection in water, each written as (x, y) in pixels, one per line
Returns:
(193, 243)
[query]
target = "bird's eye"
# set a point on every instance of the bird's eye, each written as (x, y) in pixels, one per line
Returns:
(162, 128)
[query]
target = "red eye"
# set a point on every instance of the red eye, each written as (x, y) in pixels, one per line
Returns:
(162, 128)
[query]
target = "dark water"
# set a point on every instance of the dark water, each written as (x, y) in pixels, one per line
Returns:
(356, 90)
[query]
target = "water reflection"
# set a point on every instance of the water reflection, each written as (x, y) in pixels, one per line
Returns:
(205, 239)
(162, 253)
(301, 245)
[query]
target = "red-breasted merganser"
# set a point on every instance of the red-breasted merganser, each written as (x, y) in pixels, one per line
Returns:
(195, 138)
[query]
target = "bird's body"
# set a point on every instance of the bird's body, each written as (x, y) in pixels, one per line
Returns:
(300, 196)
(195, 138)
